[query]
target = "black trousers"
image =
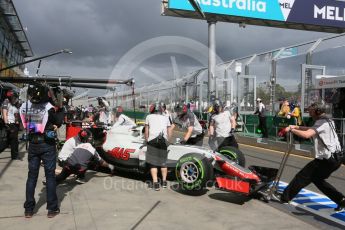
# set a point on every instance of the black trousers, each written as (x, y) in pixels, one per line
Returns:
(316, 171)
(70, 169)
(198, 140)
(227, 141)
(13, 140)
(263, 127)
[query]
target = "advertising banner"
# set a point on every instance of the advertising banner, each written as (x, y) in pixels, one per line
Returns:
(326, 82)
(329, 13)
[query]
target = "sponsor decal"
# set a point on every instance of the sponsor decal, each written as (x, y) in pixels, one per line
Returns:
(121, 153)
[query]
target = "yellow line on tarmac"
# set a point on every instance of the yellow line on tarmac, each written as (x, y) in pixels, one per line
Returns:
(275, 151)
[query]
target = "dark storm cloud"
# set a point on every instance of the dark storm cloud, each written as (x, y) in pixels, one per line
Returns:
(101, 32)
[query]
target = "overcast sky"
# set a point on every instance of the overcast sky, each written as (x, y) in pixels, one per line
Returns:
(101, 32)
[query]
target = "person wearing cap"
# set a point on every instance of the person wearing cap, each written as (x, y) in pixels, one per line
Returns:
(121, 119)
(188, 122)
(222, 127)
(156, 137)
(326, 146)
(261, 112)
(77, 163)
(10, 115)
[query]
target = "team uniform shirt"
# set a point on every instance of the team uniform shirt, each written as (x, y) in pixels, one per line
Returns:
(123, 120)
(83, 154)
(222, 124)
(187, 120)
(68, 148)
(12, 111)
(158, 124)
(260, 109)
(324, 131)
(168, 115)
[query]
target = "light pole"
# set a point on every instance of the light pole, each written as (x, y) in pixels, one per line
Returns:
(36, 59)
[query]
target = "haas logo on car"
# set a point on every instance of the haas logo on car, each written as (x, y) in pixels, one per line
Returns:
(121, 153)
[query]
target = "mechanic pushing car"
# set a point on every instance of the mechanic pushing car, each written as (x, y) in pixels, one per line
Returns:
(188, 121)
(41, 119)
(121, 119)
(222, 127)
(79, 161)
(156, 136)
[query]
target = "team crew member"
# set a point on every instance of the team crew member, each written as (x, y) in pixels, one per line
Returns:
(222, 127)
(71, 144)
(156, 135)
(326, 143)
(78, 163)
(10, 116)
(187, 120)
(261, 112)
(42, 120)
(102, 115)
(121, 119)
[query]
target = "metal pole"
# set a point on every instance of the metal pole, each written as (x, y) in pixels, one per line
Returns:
(211, 58)
(273, 84)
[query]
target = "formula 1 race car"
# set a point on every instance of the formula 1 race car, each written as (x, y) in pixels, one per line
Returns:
(195, 167)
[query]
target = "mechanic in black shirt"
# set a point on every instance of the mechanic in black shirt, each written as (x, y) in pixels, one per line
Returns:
(42, 120)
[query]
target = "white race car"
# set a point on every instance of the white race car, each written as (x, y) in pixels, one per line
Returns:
(193, 166)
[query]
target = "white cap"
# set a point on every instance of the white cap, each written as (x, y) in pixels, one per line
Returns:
(258, 99)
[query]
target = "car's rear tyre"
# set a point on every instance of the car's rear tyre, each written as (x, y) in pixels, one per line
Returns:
(233, 154)
(193, 172)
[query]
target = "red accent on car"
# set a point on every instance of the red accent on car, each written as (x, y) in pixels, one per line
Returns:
(236, 171)
(121, 153)
(233, 185)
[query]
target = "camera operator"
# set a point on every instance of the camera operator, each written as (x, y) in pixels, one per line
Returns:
(10, 116)
(42, 120)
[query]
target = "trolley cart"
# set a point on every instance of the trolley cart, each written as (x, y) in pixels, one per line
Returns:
(272, 191)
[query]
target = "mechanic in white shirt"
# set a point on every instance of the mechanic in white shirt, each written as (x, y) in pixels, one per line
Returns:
(71, 144)
(156, 136)
(121, 119)
(10, 115)
(222, 127)
(261, 112)
(326, 144)
(188, 121)
(78, 162)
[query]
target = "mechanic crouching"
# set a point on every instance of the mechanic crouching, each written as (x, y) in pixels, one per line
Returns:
(222, 127)
(41, 119)
(156, 136)
(80, 160)
(188, 121)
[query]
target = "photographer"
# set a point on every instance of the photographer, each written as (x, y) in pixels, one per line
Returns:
(326, 146)
(41, 119)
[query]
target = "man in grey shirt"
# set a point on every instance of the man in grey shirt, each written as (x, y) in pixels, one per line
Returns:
(326, 144)
(77, 162)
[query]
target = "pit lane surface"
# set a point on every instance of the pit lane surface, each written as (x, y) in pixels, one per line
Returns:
(311, 206)
(125, 202)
